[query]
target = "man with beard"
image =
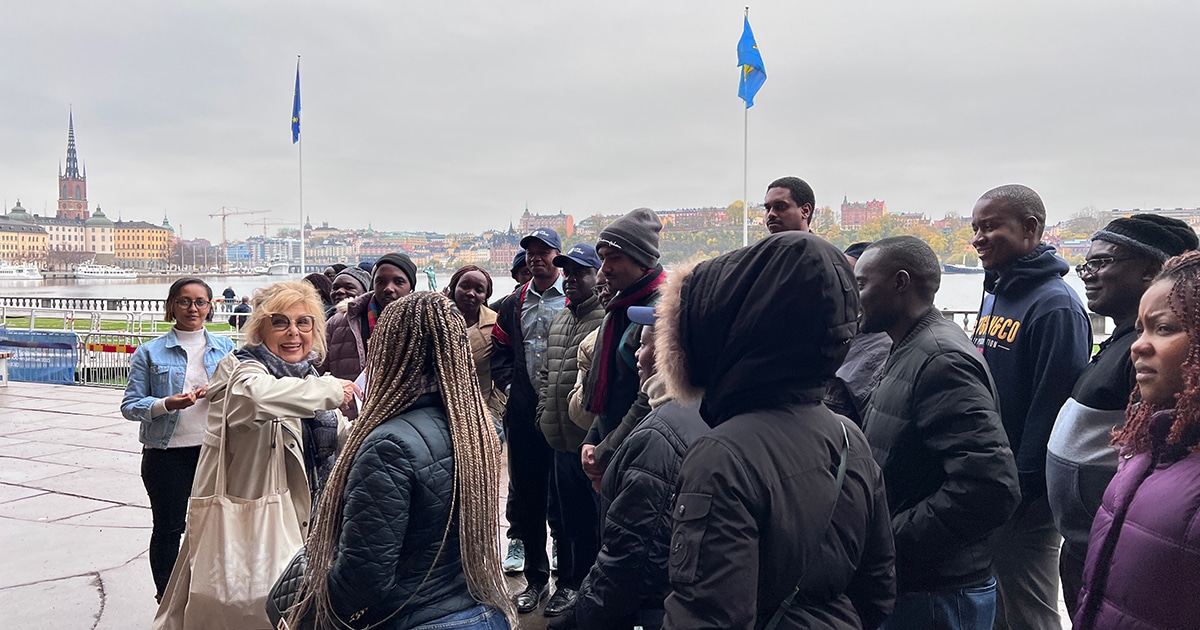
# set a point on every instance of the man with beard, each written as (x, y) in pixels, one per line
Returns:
(789, 205)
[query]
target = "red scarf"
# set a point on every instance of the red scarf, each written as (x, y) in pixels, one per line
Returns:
(614, 326)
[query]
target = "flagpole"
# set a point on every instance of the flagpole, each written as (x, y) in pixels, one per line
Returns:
(746, 168)
(746, 180)
(300, 161)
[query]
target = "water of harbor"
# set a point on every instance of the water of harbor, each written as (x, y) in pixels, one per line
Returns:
(959, 292)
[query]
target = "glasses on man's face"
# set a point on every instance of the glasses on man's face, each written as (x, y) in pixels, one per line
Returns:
(200, 304)
(282, 322)
(1094, 265)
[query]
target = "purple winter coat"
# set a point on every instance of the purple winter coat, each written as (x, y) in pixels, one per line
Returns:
(1150, 578)
(347, 353)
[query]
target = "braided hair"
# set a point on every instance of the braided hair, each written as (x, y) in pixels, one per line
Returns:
(435, 355)
(1183, 272)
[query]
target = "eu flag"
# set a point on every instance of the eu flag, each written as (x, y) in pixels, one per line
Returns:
(750, 60)
(296, 108)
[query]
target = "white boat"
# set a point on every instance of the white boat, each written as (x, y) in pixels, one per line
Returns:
(278, 269)
(26, 271)
(92, 270)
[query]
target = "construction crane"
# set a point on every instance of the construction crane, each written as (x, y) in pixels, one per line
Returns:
(265, 222)
(226, 212)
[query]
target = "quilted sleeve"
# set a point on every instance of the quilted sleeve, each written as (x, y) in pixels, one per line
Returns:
(374, 521)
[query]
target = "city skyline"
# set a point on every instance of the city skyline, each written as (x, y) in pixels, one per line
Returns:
(452, 117)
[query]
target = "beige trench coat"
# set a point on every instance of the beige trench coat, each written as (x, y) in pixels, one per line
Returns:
(480, 336)
(253, 399)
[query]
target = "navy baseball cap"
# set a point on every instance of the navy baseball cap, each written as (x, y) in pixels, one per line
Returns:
(643, 315)
(545, 235)
(582, 253)
(518, 261)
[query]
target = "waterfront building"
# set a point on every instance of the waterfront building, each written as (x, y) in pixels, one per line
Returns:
(142, 245)
(855, 215)
(693, 218)
(21, 240)
(562, 223)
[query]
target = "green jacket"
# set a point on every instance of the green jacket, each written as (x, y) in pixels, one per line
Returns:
(561, 367)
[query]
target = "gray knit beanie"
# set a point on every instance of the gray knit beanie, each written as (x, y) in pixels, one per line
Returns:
(1151, 235)
(636, 235)
(358, 275)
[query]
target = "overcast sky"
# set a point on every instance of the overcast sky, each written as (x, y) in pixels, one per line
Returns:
(452, 115)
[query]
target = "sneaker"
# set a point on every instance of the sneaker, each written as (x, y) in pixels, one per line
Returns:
(514, 560)
(554, 555)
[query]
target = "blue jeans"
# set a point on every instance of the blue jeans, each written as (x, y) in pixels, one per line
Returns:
(475, 618)
(971, 608)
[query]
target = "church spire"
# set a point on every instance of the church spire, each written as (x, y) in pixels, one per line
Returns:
(72, 158)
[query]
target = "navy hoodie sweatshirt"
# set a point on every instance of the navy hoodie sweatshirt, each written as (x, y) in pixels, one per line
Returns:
(1036, 338)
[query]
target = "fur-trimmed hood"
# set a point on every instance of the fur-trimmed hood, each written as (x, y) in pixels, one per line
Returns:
(758, 327)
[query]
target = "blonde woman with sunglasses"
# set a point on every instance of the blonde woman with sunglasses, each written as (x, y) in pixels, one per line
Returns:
(264, 396)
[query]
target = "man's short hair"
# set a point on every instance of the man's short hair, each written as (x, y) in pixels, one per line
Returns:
(802, 193)
(1022, 200)
(914, 256)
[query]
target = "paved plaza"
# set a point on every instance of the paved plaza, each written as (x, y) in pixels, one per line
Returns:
(74, 518)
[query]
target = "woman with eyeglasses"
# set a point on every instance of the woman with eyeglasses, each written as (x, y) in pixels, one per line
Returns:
(269, 381)
(168, 378)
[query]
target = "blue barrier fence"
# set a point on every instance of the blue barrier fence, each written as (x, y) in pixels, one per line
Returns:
(44, 357)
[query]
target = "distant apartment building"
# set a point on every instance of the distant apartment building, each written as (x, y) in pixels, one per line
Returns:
(142, 245)
(1189, 215)
(21, 240)
(855, 215)
(562, 222)
(910, 219)
(503, 247)
(692, 218)
(330, 252)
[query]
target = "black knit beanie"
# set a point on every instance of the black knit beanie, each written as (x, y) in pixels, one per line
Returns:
(636, 235)
(403, 262)
(1151, 235)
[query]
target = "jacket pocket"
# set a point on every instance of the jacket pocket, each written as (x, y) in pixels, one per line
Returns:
(690, 517)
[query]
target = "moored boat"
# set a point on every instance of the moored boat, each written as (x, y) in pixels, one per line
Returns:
(25, 271)
(92, 270)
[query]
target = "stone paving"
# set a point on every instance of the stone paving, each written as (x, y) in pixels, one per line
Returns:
(74, 518)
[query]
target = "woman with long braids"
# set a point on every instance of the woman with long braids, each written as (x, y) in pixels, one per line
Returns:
(1143, 564)
(405, 533)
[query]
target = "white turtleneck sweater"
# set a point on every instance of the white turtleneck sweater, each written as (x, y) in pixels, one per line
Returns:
(193, 421)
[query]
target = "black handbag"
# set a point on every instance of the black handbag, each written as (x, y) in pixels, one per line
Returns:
(282, 595)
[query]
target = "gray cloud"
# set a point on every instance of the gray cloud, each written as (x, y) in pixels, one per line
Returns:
(454, 115)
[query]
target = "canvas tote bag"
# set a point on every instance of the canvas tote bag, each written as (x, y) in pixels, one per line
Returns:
(241, 546)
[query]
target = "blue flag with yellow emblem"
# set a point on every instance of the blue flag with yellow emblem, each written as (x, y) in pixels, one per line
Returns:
(296, 108)
(753, 73)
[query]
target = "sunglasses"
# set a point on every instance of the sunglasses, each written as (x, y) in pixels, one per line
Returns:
(282, 322)
(200, 304)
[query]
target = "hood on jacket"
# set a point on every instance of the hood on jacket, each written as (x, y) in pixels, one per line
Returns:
(355, 306)
(1032, 268)
(758, 327)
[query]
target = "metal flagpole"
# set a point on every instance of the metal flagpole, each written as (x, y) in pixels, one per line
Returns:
(745, 164)
(746, 180)
(300, 158)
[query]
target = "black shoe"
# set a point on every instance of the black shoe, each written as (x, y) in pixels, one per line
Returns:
(560, 602)
(527, 600)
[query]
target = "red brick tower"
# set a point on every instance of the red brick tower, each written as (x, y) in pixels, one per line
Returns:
(72, 186)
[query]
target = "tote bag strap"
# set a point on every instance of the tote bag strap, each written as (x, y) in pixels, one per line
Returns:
(837, 495)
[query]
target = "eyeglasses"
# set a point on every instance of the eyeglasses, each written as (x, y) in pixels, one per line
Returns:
(1094, 265)
(282, 322)
(200, 304)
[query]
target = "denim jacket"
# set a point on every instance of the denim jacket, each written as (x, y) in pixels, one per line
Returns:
(156, 371)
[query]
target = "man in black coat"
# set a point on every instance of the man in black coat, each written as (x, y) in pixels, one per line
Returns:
(934, 427)
(780, 509)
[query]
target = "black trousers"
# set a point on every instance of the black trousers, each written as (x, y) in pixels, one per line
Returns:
(529, 461)
(167, 475)
(578, 514)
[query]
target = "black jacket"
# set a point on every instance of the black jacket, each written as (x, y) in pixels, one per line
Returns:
(934, 427)
(397, 504)
(758, 511)
(629, 578)
(508, 357)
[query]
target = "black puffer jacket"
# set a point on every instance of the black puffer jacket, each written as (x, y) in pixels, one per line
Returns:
(758, 511)
(628, 581)
(934, 427)
(397, 504)
(567, 330)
